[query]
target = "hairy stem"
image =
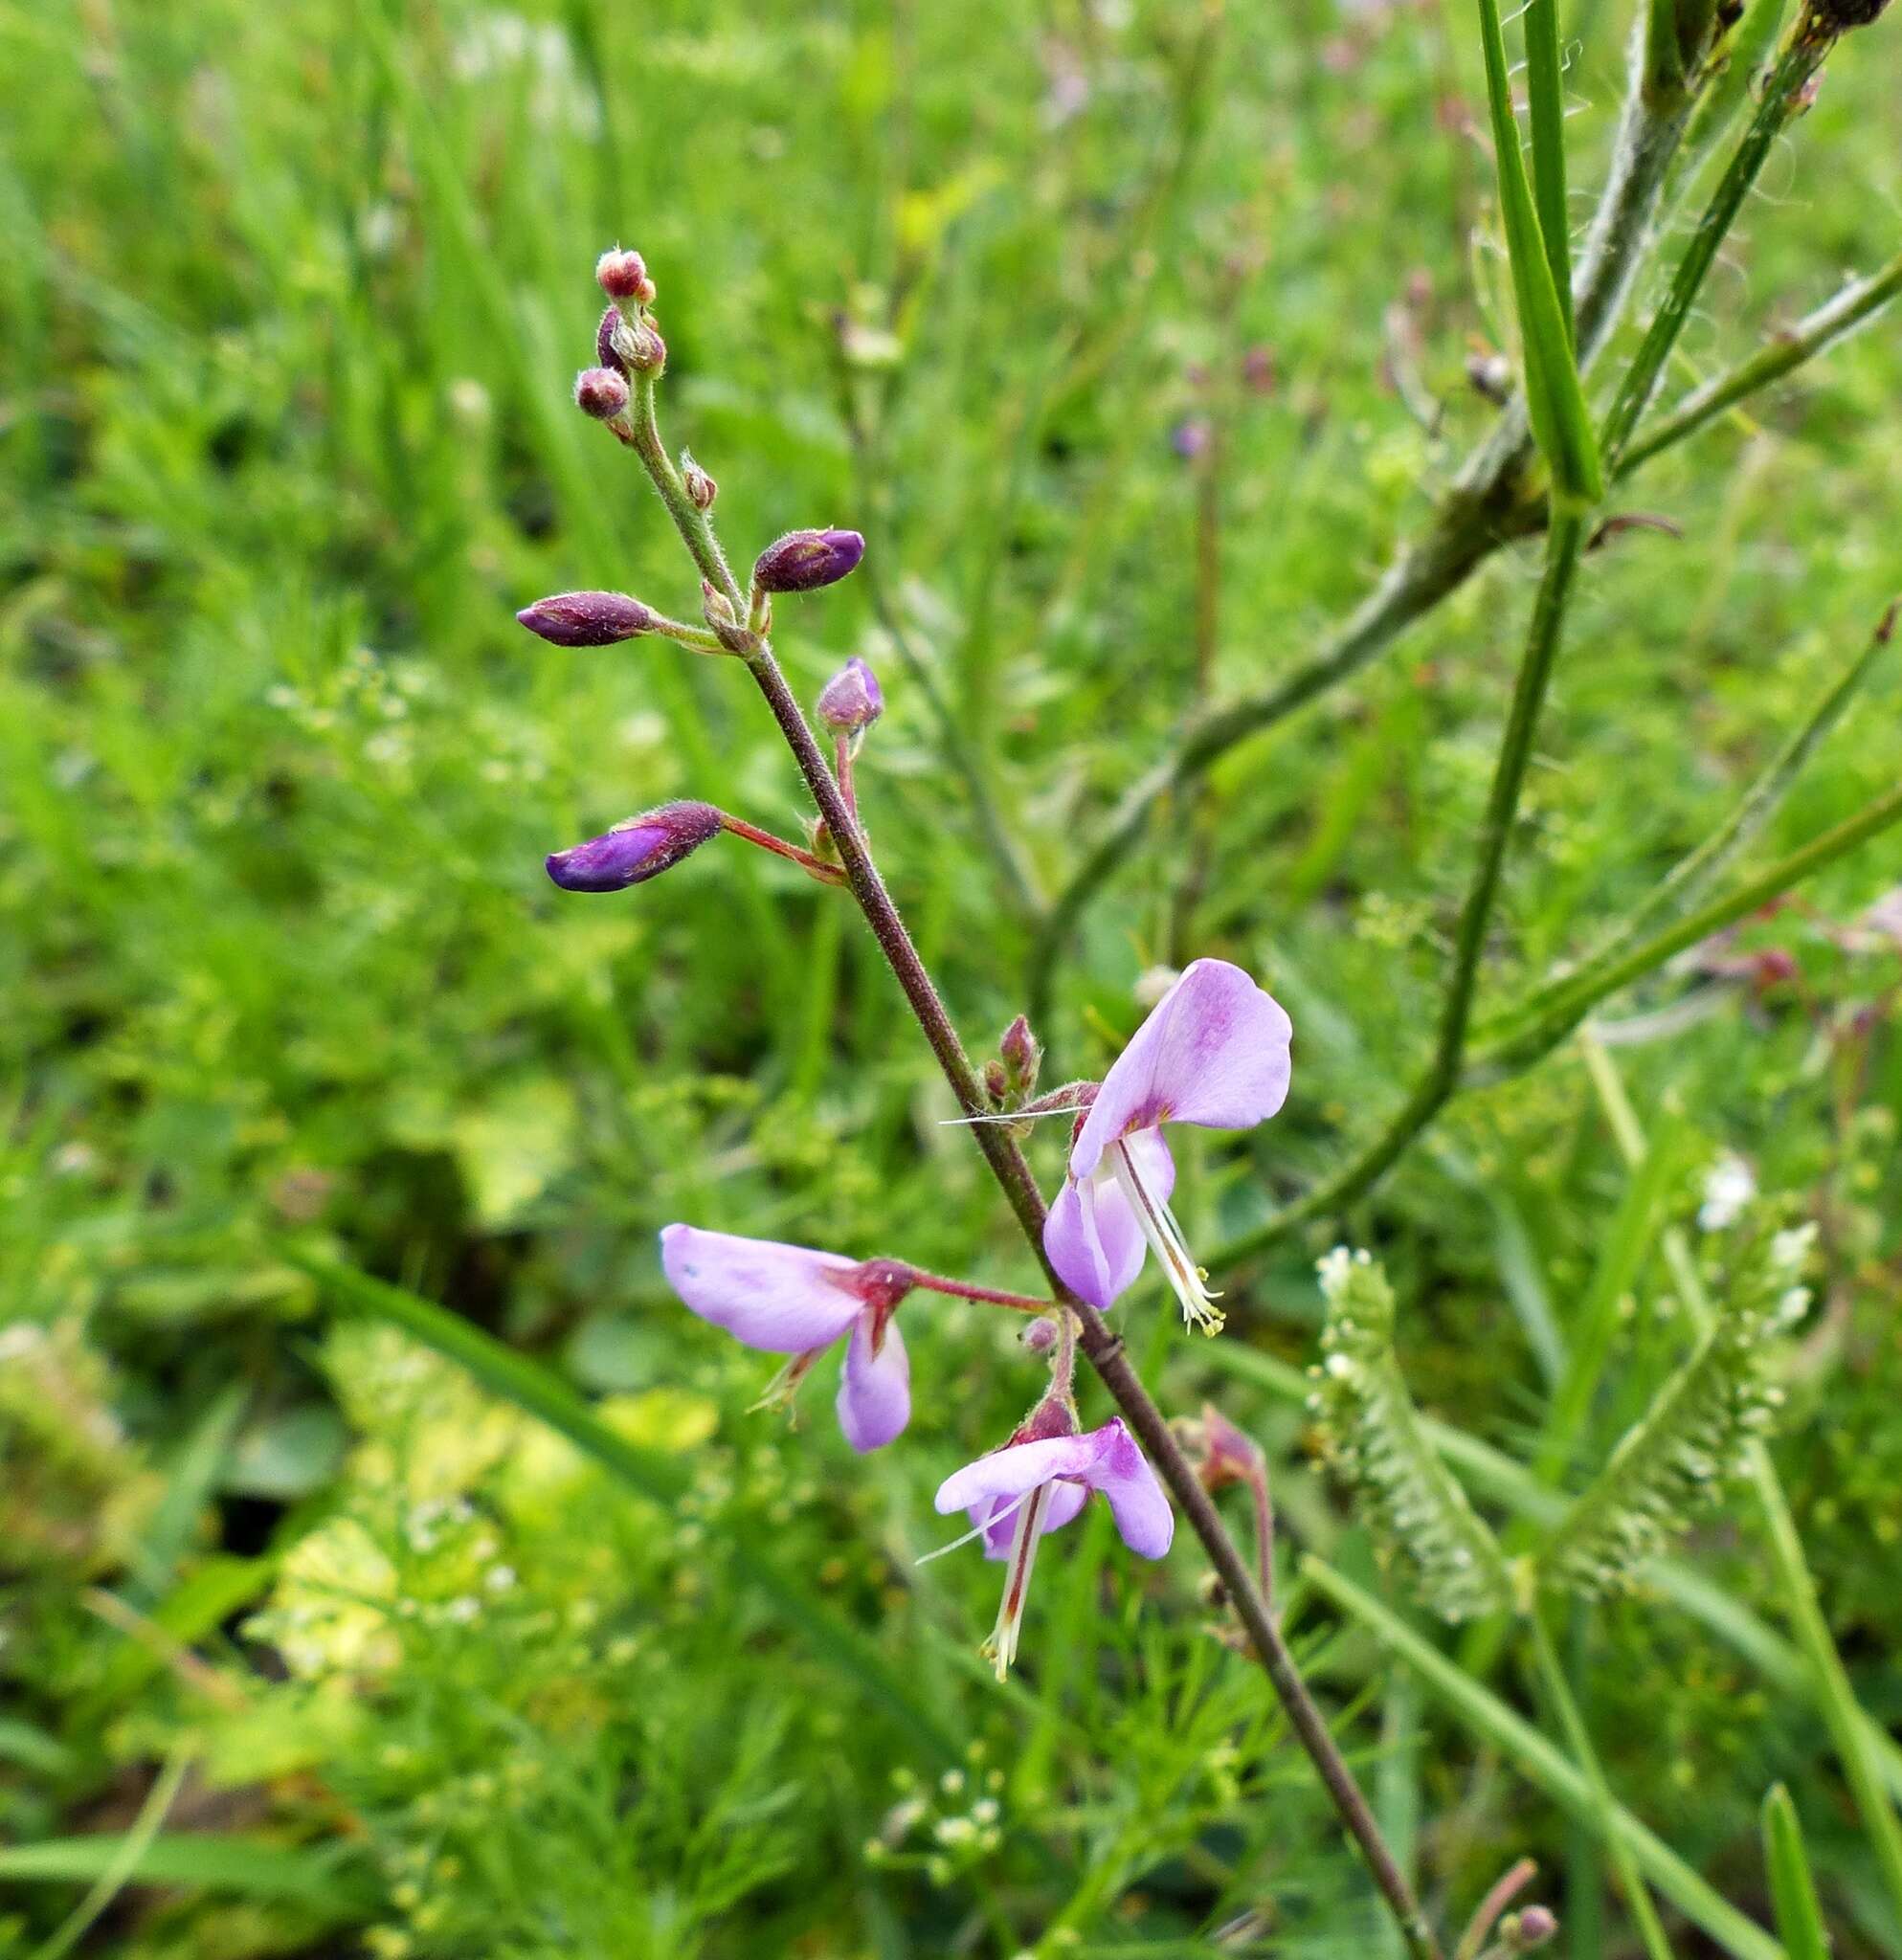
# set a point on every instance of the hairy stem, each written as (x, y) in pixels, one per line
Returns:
(1782, 96)
(1855, 306)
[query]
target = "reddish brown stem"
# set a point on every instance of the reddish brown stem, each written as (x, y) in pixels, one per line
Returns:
(990, 1296)
(826, 873)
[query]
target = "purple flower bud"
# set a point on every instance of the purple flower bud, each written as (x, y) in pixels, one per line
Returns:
(1519, 1932)
(702, 489)
(1189, 439)
(996, 1083)
(588, 619)
(1023, 1054)
(852, 698)
(632, 852)
(604, 341)
(803, 560)
(600, 393)
(1040, 1336)
(623, 275)
(636, 345)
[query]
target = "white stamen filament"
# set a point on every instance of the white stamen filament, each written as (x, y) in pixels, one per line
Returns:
(1001, 1647)
(976, 1531)
(1160, 1229)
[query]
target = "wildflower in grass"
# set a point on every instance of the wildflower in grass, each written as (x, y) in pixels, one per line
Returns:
(786, 1300)
(803, 560)
(1040, 1480)
(632, 852)
(1215, 1052)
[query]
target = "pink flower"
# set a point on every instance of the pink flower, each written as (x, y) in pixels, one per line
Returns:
(788, 1300)
(1040, 1480)
(1213, 1052)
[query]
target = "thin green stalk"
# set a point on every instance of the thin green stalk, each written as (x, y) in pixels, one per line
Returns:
(1564, 541)
(1835, 1696)
(1544, 1766)
(1511, 1483)
(1637, 1899)
(1694, 874)
(1855, 306)
(1551, 1012)
(133, 1847)
(695, 527)
(1545, 97)
(1791, 1890)
(1802, 56)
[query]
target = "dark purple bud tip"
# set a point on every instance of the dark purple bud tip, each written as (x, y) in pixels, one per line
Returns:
(632, 852)
(604, 342)
(623, 275)
(1522, 1931)
(852, 698)
(600, 393)
(587, 619)
(803, 560)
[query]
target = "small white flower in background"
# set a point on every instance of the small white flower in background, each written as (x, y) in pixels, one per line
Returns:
(1152, 985)
(1728, 1186)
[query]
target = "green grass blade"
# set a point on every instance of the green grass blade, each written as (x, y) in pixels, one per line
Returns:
(649, 1473)
(249, 1867)
(1555, 400)
(1544, 1766)
(1791, 1890)
(1545, 96)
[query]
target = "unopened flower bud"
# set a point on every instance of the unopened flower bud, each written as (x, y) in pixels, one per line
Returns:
(1023, 1054)
(623, 275)
(803, 560)
(1519, 1932)
(702, 489)
(601, 392)
(851, 699)
(717, 609)
(637, 345)
(604, 341)
(996, 1083)
(588, 619)
(1040, 1336)
(634, 851)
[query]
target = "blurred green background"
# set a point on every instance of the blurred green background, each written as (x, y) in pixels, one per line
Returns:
(289, 300)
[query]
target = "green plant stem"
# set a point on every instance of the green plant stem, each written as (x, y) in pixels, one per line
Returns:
(1485, 507)
(1803, 55)
(1564, 543)
(1544, 1019)
(1694, 874)
(693, 524)
(1637, 1899)
(1544, 1764)
(1835, 1695)
(1855, 306)
(1546, 103)
(106, 1887)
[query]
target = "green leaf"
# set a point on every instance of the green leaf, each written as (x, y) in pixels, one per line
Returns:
(1792, 1890)
(1542, 1763)
(1691, 1441)
(1555, 400)
(251, 1867)
(1420, 1518)
(1545, 94)
(648, 1471)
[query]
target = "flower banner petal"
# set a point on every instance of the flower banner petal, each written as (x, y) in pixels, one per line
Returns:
(783, 1299)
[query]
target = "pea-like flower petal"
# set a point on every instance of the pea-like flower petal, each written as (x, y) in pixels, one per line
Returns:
(874, 1390)
(783, 1299)
(1106, 1460)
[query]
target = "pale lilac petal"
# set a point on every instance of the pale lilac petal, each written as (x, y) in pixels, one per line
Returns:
(780, 1297)
(1014, 1469)
(1137, 1502)
(1065, 1500)
(1215, 1052)
(874, 1390)
(1092, 1235)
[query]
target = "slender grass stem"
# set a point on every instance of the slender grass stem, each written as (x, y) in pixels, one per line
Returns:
(1637, 1899)
(1803, 55)
(1855, 306)
(1835, 1697)
(1564, 543)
